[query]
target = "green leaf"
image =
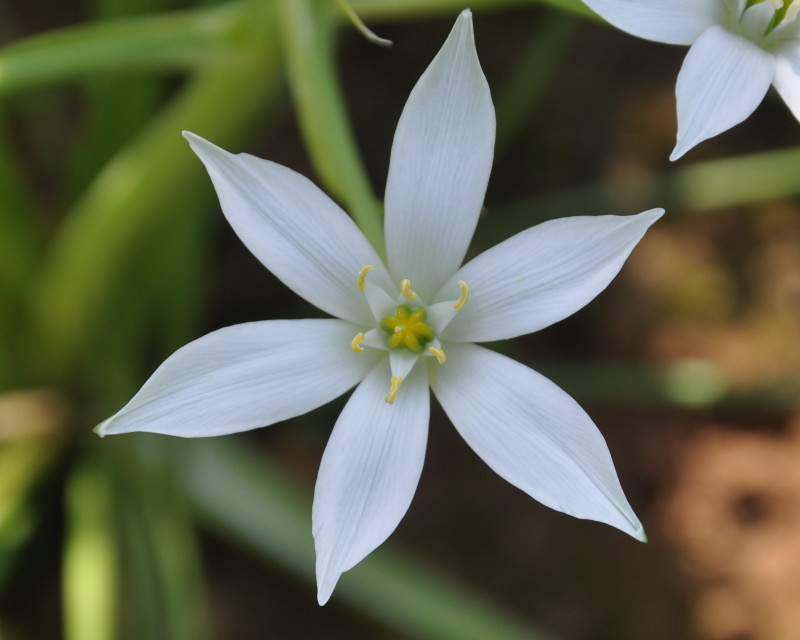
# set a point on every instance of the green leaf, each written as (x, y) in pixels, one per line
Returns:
(170, 41)
(249, 499)
(132, 192)
(90, 555)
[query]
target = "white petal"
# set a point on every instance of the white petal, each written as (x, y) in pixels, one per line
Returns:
(440, 164)
(721, 82)
(369, 472)
(294, 229)
(542, 275)
(246, 376)
(532, 434)
(670, 21)
(787, 77)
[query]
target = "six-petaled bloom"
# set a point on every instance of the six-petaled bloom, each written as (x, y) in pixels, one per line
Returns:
(738, 48)
(402, 328)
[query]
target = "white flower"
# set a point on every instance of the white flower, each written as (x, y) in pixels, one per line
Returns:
(403, 328)
(738, 48)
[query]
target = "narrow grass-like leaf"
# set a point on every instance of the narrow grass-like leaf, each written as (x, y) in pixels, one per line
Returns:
(132, 192)
(537, 65)
(170, 41)
(250, 500)
(712, 185)
(90, 555)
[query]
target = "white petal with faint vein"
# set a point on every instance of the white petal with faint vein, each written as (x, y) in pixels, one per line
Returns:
(670, 21)
(542, 275)
(440, 164)
(532, 434)
(294, 229)
(245, 376)
(787, 76)
(723, 79)
(369, 472)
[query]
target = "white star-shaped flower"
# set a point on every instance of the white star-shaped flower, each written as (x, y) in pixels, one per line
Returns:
(402, 328)
(738, 48)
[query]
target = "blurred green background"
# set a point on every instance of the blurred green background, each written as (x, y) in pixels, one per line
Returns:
(113, 253)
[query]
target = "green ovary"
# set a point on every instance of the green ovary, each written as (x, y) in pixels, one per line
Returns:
(407, 328)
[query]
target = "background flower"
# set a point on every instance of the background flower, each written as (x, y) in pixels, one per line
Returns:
(738, 48)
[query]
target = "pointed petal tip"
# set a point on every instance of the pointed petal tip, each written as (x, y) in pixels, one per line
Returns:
(636, 528)
(199, 144)
(654, 214)
(324, 593)
(678, 152)
(100, 429)
(192, 138)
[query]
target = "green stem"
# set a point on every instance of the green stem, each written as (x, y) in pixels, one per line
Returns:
(306, 37)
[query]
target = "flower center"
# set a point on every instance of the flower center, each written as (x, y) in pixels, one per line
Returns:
(757, 19)
(407, 331)
(407, 328)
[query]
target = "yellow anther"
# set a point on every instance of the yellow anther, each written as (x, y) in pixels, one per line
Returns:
(438, 353)
(362, 275)
(462, 299)
(355, 345)
(405, 289)
(396, 382)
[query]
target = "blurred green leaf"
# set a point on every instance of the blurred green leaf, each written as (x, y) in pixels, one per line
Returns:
(135, 189)
(20, 245)
(398, 9)
(532, 73)
(250, 500)
(90, 570)
(24, 462)
(164, 584)
(696, 188)
(169, 41)
(691, 383)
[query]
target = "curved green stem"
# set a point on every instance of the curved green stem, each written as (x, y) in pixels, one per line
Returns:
(326, 129)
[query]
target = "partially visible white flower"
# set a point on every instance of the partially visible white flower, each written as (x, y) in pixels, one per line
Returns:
(738, 48)
(402, 328)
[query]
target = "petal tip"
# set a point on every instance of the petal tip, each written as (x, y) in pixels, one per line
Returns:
(192, 138)
(654, 214)
(323, 597)
(325, 586)
(102, 428)
(677, 152)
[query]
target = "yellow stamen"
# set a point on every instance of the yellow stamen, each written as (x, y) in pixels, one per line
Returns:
(396, 382)
(362, 275)
(355, 345)
(462, 299)
(439, 353)
(405, 289)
